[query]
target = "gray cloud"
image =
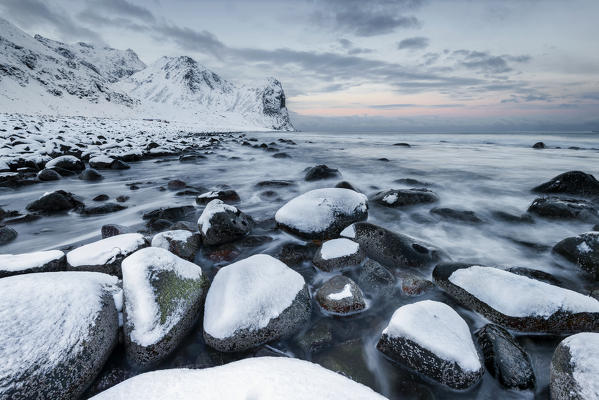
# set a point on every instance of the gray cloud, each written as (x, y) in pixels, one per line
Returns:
(484, 62)
(189, 39)
(408, 105)
(123, 8)
(413, 43)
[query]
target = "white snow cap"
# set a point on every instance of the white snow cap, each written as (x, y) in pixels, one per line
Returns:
(248, 294)
(44, 316)
(162, 239)
(52, 163)
(349, 232)
(345, 293)
(140, 299)
(584, 352)
(519, 296)
(20, 262)
(272, 378)
(214, 207)
(106, 250)
(315, 211)
(438, 328)
(338, 248)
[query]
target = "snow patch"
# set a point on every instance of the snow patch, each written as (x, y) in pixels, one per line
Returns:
(337, 248)
(163, 239)
(105, 251)
(214, 207)
(584, 352)
(345, 293)
(20, 262)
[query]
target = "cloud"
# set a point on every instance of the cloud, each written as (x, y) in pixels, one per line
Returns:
(400, 106)
(350, 49)
(190, 39)
(33, 13)
(124, 8)
(413, 43)
(487, 63)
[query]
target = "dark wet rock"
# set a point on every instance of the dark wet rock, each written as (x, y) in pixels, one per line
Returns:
(321, 172)
(340, 295)
(536, 274)
(375, 279)
(564, 311)
(113, 230)
(385, 159)
(176, 184)
(9, 179)
(573, 374)
(575, 183)
(182, 243)
(405, 197)
(596, 228)
(281, 155)
(70, 163)
(159, 224)
(402, 144)
(228, 331)
(275, 183)
(391, 249)
(508, 217)
(122, 199)
(222, 223)
(227, 195)
(105, 208)
(408, 340)
(107, 379)
(191, 157)
(269, 195)
(293, 254)
(172, 214)
(457, 215)
(316, 337)
(90, 174)
(184, 225)
(119, 165)
(21, 219)
(560, 208)
(411, 284)
(322, 213)
(337, 254)
(7, 234)
(411, 182)
(538, 145)
(48, 175)
(582, 250)
(55, 202)
(100, 162)
(348, 359)
(504, 358)
(101, 197)
(346, 185)
(155, 279)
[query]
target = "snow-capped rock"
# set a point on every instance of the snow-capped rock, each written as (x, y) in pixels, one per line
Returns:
(431, 338)
(518, 302)
(582, 250)
(254, 301)
(163, 295)
(405, 197)
(338, 253)
(180, 242)
(57, 329)
(322, 213)
(390, 248)
(105, 255)
(274, 378)
(70, 163)
(222, 223)
(340, 295)
(55, 202)
(574, 368)
(41, 261)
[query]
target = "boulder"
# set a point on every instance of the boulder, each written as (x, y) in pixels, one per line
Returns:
(518, 302)
(172, 214)
(391, 249)
(582, 250)
(538, 145)
(57, 330)
(575, 183)
(228, 196)
(55, 202)
(405, 197)
(252, 302)
(48, 175)
(504, 358)
(182, 243)
(90, 175)
(340, 295)
(105, 208)
(70, 163)
(561, 208)
(432, 339)
(375, 278)
(105, 255)
(456, 215)
(574, 368)
(321, 172)
(26, 263)
(222, 223)
(7, 234)
(110, 230)
(336, 254)
(163, 295)
(101, 162)
(322, 213)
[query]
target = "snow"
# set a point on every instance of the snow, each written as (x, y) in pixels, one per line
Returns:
(20, 262)
(583, 247)
(101, 159)
(163, 239)
(46, 316)
(214, 207)
(436, 327)
(390, 198)
(208, 195)
(316, 210)
(519, 296)
(105, 251)
(143, 311)
(272, 378)
(52, 163)
(248, 294)
(584, 351)
(345, 293)
(338, 248)
(349, 232)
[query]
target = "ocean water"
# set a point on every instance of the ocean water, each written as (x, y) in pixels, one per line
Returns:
(483, 173)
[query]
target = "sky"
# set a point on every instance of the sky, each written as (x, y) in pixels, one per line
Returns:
(398, 65)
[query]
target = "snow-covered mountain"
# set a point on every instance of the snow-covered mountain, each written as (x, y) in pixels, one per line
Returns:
(43, 76)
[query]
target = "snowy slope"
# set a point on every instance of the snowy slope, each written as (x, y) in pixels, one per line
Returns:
(43, 76)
